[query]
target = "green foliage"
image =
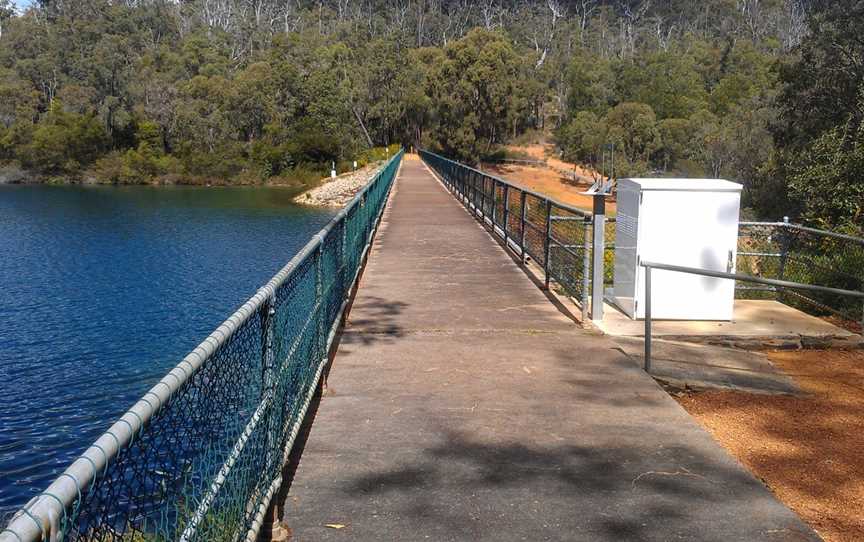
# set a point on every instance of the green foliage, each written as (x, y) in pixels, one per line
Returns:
(828, 178)
(64, 142)
(198, 91)
(820, 133)
(666, 81)
(471, 86)
(632, 128)
(582, 138)
(591, 83)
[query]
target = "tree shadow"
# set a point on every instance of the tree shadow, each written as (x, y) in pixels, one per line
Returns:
(596, 492)
(374, 319)
(806, 447)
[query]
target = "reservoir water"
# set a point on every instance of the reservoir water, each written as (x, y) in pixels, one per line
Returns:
(102, 290)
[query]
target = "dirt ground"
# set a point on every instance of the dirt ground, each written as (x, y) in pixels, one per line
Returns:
(808, 449)
(562, 181)
(546, 152)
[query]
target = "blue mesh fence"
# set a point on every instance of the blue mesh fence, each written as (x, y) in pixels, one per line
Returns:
(200, 456)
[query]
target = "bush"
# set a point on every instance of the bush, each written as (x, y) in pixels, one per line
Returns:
(63, 142)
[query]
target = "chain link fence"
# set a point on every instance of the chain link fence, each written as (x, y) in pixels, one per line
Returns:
(796, 253)
(200, 455)
(555, 236)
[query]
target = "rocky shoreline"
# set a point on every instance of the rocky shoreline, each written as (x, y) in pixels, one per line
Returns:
(339, 191)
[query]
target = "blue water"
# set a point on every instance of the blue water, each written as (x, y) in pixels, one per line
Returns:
(102, 290)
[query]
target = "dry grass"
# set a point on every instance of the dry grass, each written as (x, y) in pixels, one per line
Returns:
(808, 449)
(556, 179)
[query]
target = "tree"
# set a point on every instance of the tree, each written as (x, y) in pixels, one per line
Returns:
(472, 89)
(828, 179)
(819, 153)
(821, 86)
(667, 81)
(632, 128)
(64, 142)
(7, 11)
(582, 138)
(590, 82)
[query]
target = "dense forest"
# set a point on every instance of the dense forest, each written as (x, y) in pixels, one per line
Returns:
(766, 92)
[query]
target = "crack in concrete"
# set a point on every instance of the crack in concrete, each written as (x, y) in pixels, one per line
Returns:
(682, 472)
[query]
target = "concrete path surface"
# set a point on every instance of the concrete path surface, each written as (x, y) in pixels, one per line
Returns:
(462, 405)
(704, 366)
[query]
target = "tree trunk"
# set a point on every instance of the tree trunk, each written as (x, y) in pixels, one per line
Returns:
(362, 126)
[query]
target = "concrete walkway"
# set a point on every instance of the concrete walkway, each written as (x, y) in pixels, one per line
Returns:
(463, 406)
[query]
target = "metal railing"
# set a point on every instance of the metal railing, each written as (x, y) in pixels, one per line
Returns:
(556, 236)
(200, 456)
(785, 251)
(731, 276)
(796, 253)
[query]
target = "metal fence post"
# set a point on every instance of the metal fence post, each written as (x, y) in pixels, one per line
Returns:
(647, 319)
(474, 197)
(599, 252)
(319, 301)
(522, 227)
(494, 203)
(506, 215)
(548, 248)
(483, 197)
(586, 267)
(268, 377)
(343, 263)
(472, 179)
(785, 241)
(267, 313)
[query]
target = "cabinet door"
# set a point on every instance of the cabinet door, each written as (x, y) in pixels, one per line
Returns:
(693, 229)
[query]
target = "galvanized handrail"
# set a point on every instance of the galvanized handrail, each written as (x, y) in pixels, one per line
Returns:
(789, 251)
(722, 275)
(43, 517)
(800, 227)
(483, 194)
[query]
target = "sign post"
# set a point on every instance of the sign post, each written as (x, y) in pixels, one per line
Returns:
(598, 192)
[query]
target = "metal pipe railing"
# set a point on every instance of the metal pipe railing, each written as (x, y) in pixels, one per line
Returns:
(800, 227)
(723, 275)
(788, 251)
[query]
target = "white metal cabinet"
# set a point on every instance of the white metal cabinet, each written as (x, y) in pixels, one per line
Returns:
(688, 222)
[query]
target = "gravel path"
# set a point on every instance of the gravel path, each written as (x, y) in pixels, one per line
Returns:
(339, 191)
(805, 447)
